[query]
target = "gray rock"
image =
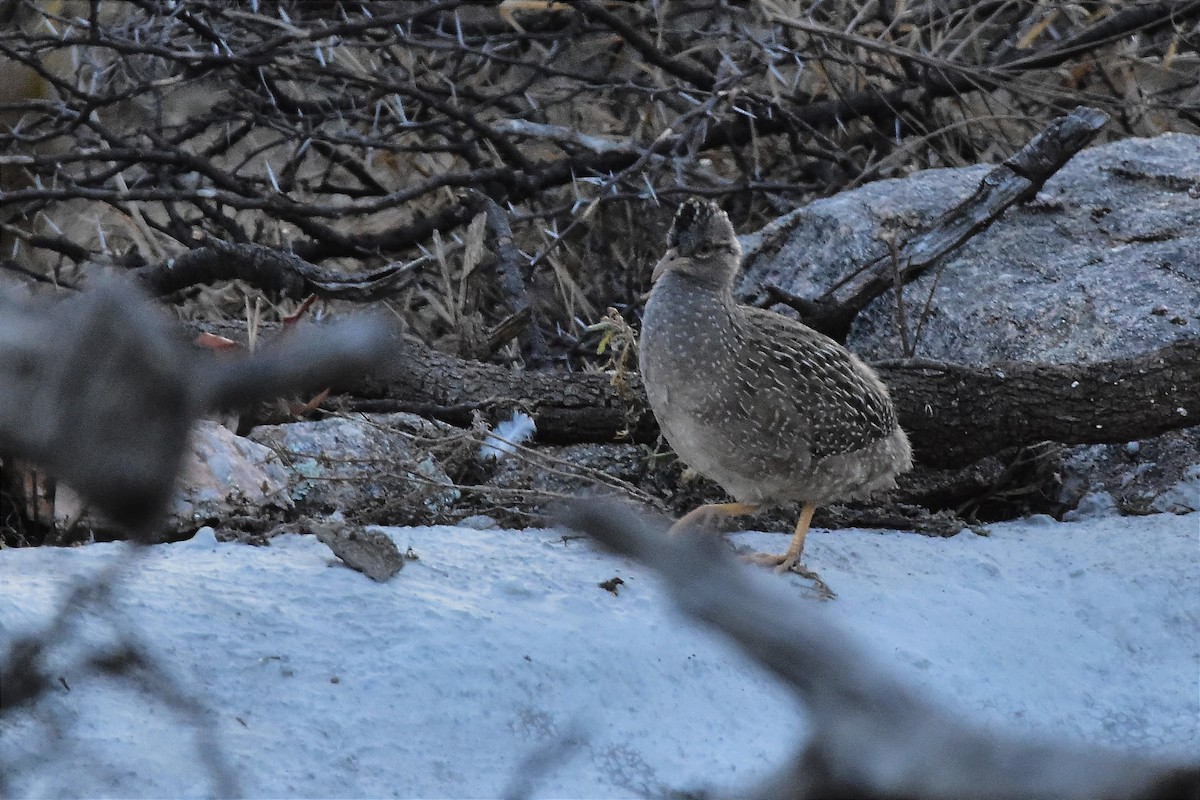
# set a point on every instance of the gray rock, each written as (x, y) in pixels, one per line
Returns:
(1104, 263)
(807, 250)
(1155, 475)
(226, 475)
(373, 553)
(373, 467)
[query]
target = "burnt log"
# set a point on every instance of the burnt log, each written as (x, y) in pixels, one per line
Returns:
(568, 408)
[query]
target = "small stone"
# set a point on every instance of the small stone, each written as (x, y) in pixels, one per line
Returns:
(372, 553)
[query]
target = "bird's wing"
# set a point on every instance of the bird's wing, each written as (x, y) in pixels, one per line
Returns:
(835, 403)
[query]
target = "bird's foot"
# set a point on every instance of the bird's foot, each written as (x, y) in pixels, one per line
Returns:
(789, 563)
(781, 563)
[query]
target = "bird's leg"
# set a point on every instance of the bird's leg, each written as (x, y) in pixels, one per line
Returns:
(796, 546)
(702, 516)
(789, 561)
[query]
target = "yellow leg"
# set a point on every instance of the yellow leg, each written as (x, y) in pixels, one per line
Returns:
(789, 561)
(796, 546)
(702, 516)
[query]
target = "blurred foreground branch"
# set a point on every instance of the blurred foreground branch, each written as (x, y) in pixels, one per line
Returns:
(35, 664)
(101, 390)
(873, 735)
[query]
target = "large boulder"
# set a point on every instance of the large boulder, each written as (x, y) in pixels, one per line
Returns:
(1104, 262)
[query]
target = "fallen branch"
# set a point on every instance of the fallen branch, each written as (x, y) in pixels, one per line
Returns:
(271, 270)
(874, 736)
(567, 407)
(955, 414)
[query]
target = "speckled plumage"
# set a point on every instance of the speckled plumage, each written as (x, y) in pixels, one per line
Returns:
(764, 405)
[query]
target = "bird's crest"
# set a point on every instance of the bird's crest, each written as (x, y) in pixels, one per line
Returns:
(698, 221)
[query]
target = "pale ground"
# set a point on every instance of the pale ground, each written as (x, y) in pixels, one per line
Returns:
(499, 646)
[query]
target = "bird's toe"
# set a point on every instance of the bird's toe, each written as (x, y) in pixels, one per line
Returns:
(766, 560)
(785, 563)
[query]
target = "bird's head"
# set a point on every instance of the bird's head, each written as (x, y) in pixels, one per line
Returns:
(701, 246)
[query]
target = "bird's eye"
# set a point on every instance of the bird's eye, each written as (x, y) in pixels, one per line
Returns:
(704, 250)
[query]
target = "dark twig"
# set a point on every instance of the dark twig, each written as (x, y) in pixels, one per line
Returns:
(673, 65)
(272, 270)
(512, 282)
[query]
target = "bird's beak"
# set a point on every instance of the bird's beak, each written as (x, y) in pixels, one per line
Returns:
(665, 263)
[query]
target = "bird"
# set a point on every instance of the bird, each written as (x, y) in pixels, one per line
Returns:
(772, 410)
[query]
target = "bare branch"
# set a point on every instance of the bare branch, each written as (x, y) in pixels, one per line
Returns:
(270, 269)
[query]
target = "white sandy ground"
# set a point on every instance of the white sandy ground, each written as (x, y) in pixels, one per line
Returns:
(498, 645)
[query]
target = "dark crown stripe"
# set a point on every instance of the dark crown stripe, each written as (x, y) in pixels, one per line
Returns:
(691, 219)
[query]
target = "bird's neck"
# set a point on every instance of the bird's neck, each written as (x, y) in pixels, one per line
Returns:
(696, 286)
(682, 307)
